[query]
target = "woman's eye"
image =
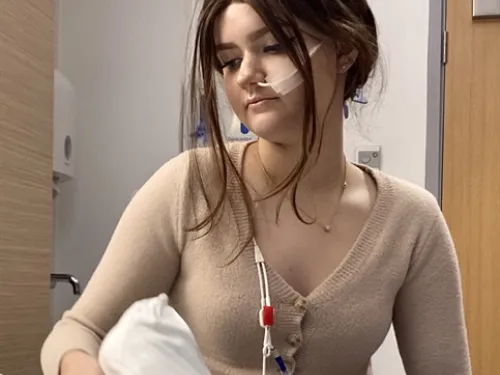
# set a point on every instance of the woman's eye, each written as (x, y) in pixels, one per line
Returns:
(277, 48)
(273, 48)
(231, 64)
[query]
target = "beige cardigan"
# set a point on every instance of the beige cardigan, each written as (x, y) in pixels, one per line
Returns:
(403, 270)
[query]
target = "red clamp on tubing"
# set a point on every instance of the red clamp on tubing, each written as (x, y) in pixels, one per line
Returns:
(267, 316)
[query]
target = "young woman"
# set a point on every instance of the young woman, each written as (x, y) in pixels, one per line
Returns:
(341, 250)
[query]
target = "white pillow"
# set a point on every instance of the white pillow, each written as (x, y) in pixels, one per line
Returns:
(151, 339)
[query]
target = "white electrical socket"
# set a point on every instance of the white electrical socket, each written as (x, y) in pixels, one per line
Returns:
(369, 155)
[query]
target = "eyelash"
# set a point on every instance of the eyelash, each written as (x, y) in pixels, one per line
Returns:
(274, 49)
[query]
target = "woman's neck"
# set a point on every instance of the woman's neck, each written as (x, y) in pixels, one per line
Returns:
(324, 172)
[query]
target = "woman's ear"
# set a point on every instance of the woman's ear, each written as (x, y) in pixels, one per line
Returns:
(345, 61)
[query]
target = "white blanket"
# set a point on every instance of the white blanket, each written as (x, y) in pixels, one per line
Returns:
(151, 339)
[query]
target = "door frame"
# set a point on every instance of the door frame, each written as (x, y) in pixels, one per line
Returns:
(435, 98)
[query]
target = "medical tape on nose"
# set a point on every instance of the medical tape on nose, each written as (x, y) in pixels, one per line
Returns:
(287, 77)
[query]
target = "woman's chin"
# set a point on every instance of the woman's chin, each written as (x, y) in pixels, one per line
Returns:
(272, 128)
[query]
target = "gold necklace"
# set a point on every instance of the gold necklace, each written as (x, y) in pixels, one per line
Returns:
(326, 227)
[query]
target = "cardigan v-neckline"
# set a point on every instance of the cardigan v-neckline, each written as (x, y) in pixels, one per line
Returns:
(349, 267)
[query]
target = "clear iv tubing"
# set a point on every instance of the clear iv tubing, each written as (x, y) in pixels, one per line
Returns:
(268, 349)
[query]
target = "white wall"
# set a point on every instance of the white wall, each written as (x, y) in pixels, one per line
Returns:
(396, 119)
(125, 59)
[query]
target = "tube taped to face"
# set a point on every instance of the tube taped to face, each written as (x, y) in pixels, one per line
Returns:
(283, 77)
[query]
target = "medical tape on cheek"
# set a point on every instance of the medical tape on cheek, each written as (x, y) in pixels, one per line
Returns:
(292, 77)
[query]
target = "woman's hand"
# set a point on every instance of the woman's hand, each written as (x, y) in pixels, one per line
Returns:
(79, 363)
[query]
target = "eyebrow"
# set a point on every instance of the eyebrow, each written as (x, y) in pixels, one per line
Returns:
(253, 36)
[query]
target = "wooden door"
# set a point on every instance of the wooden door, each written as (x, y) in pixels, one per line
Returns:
(26, 96)
(471, 173)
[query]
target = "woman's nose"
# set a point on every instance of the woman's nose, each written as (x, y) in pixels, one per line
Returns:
(250, 72)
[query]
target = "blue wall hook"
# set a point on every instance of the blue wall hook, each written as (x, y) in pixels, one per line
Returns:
(359, 97)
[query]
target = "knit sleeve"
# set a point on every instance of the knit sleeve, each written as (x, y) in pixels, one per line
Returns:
(141, 261)
(428, 312)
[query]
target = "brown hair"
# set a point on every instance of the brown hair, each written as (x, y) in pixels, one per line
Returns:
(350, 23)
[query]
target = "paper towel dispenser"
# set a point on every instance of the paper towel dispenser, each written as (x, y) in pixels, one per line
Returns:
(64, 128)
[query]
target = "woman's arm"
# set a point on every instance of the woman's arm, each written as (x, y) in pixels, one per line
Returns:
(141, 260)
(76, 362)
(428, 313)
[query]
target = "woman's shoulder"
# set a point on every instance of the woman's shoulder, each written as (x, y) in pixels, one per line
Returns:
(405, 214)
(194, 176)
(404, 206)
(411, 193)
(404, 194)
(203, 160)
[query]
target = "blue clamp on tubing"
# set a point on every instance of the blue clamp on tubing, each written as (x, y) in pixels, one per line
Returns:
(280, 363)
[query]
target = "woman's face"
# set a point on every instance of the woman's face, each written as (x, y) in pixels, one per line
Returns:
(249, 54)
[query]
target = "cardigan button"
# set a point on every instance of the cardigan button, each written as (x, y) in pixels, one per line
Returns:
(294, 340)
(300, 304)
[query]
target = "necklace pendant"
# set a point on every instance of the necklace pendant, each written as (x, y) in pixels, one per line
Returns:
(327, 228)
